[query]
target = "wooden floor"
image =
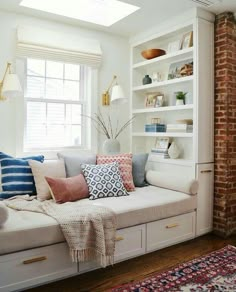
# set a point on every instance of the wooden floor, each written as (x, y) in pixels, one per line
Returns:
(135, 269)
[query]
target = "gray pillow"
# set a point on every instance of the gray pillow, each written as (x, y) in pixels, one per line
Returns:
(138, 169)
(73, 161)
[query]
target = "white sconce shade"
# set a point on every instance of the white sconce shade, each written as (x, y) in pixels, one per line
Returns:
(11, 86)
(117, 95)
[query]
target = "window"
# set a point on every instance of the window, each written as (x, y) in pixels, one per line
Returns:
(56, 103)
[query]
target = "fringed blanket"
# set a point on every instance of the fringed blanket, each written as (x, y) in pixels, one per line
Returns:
(89, 230)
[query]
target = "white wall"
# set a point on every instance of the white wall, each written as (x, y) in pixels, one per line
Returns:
(115, 61)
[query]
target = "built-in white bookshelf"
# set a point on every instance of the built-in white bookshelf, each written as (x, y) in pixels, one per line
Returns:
(169, 112)
(196, 147)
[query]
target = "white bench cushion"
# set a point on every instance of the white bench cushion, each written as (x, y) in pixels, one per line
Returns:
(149, 204)
(25, 230)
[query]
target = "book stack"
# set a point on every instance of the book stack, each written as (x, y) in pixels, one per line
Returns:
(155, 128)
(183, 128)
(162, 153)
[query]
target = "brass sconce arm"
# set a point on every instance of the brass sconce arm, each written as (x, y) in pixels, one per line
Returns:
(106, 95)
(10, 84)
(2, 82)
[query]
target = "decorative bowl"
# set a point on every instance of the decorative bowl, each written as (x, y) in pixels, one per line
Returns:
(152, 53)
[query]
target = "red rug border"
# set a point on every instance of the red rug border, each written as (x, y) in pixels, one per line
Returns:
(173, 267)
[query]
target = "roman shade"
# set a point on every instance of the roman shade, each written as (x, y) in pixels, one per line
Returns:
(33, 42)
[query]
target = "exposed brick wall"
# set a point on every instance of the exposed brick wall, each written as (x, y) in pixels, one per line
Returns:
(225, 125)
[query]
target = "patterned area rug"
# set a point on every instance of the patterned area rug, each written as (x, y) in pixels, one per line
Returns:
(213, 272)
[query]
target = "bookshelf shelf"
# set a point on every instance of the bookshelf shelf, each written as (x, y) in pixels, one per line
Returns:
(164, 83)
(160, 134)
(173, 57)
(163, 109)
(154, 158)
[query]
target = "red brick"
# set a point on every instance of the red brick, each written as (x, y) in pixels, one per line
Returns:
(225, 125)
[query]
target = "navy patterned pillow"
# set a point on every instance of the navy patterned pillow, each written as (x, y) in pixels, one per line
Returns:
(103, 180)
(16, 176)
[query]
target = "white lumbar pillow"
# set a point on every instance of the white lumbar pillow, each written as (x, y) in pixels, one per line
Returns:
(50, 168)
(172, 182)
(3, 213)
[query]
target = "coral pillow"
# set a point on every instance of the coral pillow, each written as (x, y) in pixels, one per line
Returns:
(68, 189)
(125, 167)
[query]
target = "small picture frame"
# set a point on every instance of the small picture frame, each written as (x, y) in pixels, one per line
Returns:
(155, 121)
(174, 46)
(160, 100)
(156, 77)
(151, 99)
(162, 143)
(187, 40)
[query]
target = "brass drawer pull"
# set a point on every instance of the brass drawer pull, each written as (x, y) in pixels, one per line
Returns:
(34, 260)
(172, 225)
(206, 171)
(119, 238)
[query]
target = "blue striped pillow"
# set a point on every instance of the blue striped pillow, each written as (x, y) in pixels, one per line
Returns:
(17, 177)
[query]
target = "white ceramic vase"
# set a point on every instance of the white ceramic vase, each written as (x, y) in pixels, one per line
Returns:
(173, 151)
(111, 146)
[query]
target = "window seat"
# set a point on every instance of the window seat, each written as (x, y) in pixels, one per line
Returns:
(26, 230)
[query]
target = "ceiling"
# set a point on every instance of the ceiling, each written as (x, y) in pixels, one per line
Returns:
(152, 13)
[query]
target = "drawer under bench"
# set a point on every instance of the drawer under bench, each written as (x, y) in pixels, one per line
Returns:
(130, 242)
(169, 231)
(35, 266)
(40, 265)
(138, 240)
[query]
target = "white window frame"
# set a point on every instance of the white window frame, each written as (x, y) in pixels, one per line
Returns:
(89, 134)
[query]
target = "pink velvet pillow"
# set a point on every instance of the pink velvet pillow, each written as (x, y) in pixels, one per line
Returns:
(125, 167)
(68, 189)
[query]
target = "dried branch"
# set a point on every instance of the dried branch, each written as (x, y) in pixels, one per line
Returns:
(110, 125)
(100, 122)
(104, 123)
(105, 126)
(117, 124)
(100, 127)
(124, 126)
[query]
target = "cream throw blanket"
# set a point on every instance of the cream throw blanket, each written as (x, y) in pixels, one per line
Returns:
(88, 229)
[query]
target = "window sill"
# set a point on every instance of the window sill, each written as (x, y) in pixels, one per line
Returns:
(52, 154)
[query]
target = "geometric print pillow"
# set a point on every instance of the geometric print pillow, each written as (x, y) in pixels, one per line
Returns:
(103, 180)
(16, 176)
(125, 167)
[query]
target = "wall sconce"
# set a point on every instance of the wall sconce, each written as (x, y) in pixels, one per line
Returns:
(10, 84)
(117, 94)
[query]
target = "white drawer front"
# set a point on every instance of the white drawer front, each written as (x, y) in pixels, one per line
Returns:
(169, 231)
(88, 266)
(130, 242)
(35, 266)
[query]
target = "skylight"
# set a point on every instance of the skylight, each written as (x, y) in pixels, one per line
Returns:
(103, 12)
